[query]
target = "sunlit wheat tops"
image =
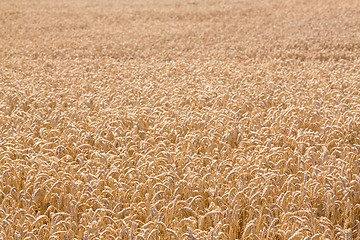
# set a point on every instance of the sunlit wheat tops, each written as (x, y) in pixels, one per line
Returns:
(179, 120)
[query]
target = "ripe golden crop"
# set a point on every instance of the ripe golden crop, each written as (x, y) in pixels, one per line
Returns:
(179, 119)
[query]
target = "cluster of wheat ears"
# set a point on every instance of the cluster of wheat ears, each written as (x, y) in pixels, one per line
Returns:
(172, 119)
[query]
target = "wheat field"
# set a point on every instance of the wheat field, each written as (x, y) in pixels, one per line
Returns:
(170, 119)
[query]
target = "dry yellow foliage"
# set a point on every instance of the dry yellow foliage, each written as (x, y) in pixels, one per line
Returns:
(172, 119)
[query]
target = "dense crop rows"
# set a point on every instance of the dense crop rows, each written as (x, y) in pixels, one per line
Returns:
(179, 119)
